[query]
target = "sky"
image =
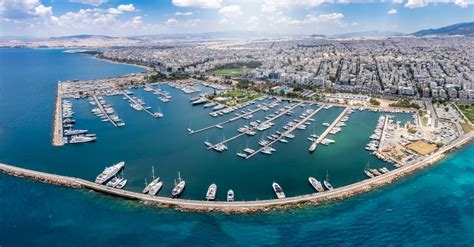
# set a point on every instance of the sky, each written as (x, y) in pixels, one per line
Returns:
(47, 18)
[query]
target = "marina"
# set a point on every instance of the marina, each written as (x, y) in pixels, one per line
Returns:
(137, 104)
(268, 145)
(294, 164)
(264, 123)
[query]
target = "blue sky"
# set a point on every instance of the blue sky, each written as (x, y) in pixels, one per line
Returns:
(43, 18)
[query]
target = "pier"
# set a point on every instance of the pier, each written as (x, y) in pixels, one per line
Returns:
(253, 128)
(227, 121)
(58, 137)
(240, 206)
(101, 107)
(137, 103)
(284, 134)
(156, 91)
(328, 129)
(382, 135)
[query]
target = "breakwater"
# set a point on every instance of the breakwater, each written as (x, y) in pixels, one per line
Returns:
(239, 206)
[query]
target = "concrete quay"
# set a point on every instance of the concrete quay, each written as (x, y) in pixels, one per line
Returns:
(58, 137)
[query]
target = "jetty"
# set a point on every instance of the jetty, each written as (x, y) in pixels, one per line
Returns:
(227, 121)
(137, 103)
(240, 206)
(284, 134)
(58, 137)
(102, 110)
(384, 129)
(329, 128)
(253, 128)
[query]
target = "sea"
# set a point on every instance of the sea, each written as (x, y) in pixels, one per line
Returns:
(432, 207)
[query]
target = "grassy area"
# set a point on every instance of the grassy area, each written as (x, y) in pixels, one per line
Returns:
(227, 72)
(468, 110)
(235, 97)
(466, 127)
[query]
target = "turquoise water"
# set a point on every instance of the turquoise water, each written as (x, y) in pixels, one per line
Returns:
(433, 206)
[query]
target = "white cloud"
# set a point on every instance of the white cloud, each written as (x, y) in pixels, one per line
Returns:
(311, 19)
(422, 3)
(392, 11)
(207, 4)
(171, 21)
(463, 3)
(416, 3)
(272, 6)
(183, 13)
(252, 20)
(126, 7)
(23, 9)
(90, 2)
(231, 11)
(121, 8)
(135, 22)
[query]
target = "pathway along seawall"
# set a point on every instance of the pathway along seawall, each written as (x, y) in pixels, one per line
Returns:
(239, 206)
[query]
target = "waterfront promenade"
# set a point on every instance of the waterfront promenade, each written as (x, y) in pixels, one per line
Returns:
(240, 206)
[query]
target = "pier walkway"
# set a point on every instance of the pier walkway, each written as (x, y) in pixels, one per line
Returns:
(382, 135)
(155, 90)
(137, 103)
(239, 206)
(58, 137)
(284, 134)
(227, 121)
(101, 108)
(328, 129)
(252, 128)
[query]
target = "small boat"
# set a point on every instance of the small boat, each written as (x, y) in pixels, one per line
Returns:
(211, 192)
(230, 195)
(313, 146)
(179, 187)
(242, 155)
(153, 182)
(316, 184)
(278, 191)
(326, 182)
(155, 188)
(121, 184)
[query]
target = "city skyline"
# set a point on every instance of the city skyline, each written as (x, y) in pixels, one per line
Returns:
(36, 18)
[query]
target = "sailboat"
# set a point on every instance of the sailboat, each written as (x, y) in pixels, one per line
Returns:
(326, 182)
(158, 114)
(149, 186)
(179, 187)
(367, 171)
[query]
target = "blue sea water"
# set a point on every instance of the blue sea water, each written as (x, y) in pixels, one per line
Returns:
(435, 206)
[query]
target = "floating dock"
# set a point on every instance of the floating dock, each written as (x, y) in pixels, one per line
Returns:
(284, 134)
(103, 110)
(328, 129)
(252, 128)
(137, 103)
(228, 121)
(58, 137)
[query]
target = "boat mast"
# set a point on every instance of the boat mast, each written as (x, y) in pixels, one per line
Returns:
(146, 182)
(153, 172)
